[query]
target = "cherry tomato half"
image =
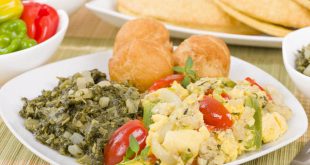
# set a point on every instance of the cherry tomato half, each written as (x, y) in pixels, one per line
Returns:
(253, 82)
(166, 82)
(41, 20)
(214, 113)
(118, 144)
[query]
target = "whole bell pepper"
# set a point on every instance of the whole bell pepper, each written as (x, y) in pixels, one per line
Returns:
(41, 20)
(10, 9)
(13, 36)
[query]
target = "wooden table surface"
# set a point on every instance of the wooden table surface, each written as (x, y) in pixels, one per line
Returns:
(88, 34)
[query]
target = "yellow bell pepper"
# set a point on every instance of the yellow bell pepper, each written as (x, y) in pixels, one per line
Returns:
(10, 9)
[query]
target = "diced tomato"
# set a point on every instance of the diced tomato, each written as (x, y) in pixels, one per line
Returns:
(225, 96)
(214, 113)
(166, 82)
(118, 144)
(253, 82)
(209, 91)
(152, 159)
(210, 127)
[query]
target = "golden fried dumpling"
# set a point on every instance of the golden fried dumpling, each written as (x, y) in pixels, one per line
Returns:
(210, 55)
(140, 63)
(143, 29)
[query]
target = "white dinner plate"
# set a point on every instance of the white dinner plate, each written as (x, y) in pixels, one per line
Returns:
(31, 83)
(106, 10)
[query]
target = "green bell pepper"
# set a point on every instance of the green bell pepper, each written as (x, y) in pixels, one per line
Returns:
(13, 37)
(147, 113)
(27, 43)
(10, 9)
(11, 46)
(14, 28)
(256, 129)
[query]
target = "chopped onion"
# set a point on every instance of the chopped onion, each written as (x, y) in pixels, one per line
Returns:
(104, 83)
(104, 102)
(67, 135)
(76, 138)
(307, 71)
(81, 82)
(75, 150)
(132, 108)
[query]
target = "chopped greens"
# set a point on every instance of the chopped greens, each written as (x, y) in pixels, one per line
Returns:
(302, 62)
(79, 114)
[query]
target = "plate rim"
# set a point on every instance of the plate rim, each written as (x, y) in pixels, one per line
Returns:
(243, 160)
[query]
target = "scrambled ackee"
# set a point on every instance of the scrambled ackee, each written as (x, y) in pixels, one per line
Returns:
(179, 135)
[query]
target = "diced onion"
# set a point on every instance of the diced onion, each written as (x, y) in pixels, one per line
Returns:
(75, 150)
(76, 138)
(104, 102)
(307, 71)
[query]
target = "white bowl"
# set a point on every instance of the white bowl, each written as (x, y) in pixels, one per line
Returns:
(13, 64)
(291, 44)
(70, 6)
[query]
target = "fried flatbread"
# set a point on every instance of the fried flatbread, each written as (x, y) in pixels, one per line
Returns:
(282, 12)
(304, 3)
(201, 14)
(259, 25)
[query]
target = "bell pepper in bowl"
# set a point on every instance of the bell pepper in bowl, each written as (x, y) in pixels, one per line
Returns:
(10, 9)
(41, 20)
(13, 36)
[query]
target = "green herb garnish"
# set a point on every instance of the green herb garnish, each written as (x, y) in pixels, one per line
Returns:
(189, 74)
(133, 150)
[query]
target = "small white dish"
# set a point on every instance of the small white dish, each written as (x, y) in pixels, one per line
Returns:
(106, 10)
(30, 85)
(15, 63)
(70, 6)
(291, 44)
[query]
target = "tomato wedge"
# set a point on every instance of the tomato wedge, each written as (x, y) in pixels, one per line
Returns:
(118, 144)
(253, 82)
(166, 82)
(215, 114)
(41, 20)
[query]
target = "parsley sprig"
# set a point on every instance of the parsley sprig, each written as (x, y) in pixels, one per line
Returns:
(189, 74)
(133, 152)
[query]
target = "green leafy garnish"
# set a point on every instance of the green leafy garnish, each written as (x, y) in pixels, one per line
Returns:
(145, 152)
(133, 150)
(189, 74)
(133, 144)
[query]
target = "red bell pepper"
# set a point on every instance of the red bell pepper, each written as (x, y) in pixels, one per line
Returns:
(41, 20)
(253, 82)
(166, 82)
